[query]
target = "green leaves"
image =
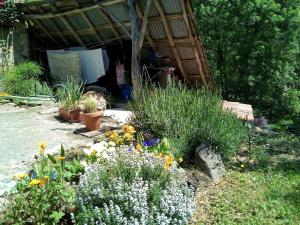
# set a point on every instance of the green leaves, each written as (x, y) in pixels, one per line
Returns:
(57, 216)
(252, 47)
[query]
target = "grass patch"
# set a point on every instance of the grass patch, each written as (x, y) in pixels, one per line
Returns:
(262, 186)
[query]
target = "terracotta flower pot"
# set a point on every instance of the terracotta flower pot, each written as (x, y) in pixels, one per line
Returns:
(92, 120)
(69, 115)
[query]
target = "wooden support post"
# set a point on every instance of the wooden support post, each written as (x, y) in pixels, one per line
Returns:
(135, 67)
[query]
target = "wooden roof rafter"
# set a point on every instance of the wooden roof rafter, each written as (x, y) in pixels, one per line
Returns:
(72, 30)
(47, 32)
(170, 39)
(192, 40)
(170, 29)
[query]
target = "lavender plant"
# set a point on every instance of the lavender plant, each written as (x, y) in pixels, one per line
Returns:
(134, 188)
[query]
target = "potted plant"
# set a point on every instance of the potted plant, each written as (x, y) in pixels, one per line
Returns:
(69, 96)
(91, 114)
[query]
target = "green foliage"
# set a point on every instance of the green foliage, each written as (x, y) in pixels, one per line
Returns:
(43, 196)
(187, 118)
(269, 173)
(10, 14)
(23, 80)
(253, 50)
(70, 94)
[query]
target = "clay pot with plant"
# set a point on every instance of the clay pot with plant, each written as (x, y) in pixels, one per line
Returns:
(69, 104)
(91, 114)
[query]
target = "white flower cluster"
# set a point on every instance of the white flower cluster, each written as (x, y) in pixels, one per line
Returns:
(104, 150)
(113, 200)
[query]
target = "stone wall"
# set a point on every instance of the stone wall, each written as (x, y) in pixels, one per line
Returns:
(14, 45)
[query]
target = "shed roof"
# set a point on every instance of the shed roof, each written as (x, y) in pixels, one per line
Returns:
(171, 31)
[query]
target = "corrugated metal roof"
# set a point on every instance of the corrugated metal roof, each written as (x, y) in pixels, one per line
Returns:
(182, 42)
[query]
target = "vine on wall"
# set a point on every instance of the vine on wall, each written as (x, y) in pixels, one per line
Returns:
(10, 14)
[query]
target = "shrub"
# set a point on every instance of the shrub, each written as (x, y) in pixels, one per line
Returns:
(41, 197)
(133, 187)
(23, 80)
(187, 117)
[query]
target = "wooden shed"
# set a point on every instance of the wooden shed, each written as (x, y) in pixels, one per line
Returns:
(167, 27)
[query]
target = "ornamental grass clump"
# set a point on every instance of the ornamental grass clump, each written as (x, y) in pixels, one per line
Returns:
(127, 184)
(187, 117)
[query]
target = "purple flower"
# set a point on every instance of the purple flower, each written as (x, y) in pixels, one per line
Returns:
(129, 150)
(151, 143)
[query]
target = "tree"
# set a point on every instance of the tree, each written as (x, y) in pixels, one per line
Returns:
(253, 50)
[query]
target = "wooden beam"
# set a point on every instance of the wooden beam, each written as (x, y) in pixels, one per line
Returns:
(200, 48)
(170, 39)
(192, 40)
(89, 23)
(116, 20)
(109, 22)
(135, 54)
(47, 32)
(145, 23)
(148, 36)
(71, 29)
(60, 33)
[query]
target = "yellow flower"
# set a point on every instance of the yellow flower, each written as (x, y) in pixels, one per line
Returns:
(3, 94)
(169, 162)
(108, 133)
(20, 176)
(138, 147)
(47, 178)
(160, 156)
(180, 160)
(34, 182)
(42, 146)
(127, 136)
(128, 129)
(60, 158)
(113, 136)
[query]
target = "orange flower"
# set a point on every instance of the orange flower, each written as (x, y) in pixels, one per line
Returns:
(42, 183)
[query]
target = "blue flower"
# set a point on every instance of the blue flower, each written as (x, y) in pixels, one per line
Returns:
(53, 175)
(151, 143)
(129, 150)
(33, 175)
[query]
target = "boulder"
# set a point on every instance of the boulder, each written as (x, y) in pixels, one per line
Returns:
(207, 159)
